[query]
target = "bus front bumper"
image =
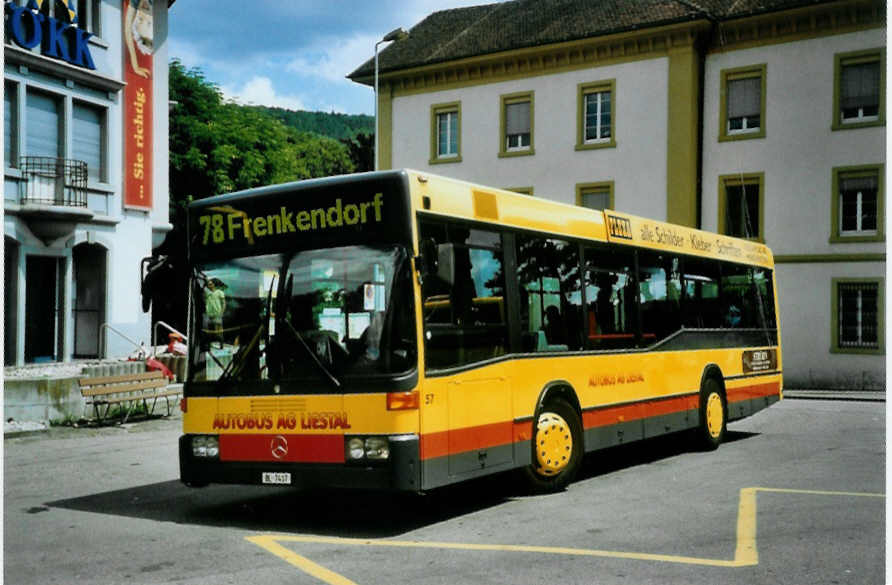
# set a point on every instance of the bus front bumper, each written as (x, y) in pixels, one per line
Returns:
(400, 472)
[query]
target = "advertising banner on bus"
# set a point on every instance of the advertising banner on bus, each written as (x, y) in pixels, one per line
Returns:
(628, 229)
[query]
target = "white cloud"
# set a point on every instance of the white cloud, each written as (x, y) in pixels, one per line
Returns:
(187, 53)
(259, 91)
(340, 58)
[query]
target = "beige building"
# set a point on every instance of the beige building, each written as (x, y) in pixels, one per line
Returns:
(757, 119)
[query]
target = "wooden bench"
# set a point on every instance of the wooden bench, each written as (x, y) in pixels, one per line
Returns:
(126, 391)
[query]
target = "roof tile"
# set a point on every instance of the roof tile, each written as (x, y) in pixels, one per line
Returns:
(459, 33)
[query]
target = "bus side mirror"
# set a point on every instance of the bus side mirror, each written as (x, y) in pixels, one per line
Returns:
(150, 270)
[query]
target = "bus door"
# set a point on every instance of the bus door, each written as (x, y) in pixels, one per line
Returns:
(465, 335)
(480, 420)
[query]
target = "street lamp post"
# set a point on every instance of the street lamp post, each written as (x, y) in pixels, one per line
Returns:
(396, 34)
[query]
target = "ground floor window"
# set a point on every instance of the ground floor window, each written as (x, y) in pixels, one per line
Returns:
(857, 315)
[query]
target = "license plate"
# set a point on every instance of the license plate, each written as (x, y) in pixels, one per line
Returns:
(276, 478)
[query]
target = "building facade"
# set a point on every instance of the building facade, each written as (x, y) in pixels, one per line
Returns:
(85, 109)
(763, 120)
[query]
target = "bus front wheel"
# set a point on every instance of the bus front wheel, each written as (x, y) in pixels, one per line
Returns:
(713, 415)
(557, 448)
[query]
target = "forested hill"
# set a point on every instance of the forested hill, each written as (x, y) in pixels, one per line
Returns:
(337, 126)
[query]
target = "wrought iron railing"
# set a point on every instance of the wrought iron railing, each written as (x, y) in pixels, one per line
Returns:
(53, 181)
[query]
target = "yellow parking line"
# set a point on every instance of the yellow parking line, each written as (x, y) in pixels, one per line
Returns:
(745, 554)
(821, 493)
(271, 544)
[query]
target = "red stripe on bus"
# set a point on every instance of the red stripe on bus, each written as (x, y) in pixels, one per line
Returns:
(612, 415)
(300, 448)
(444, 443)
(755, 391)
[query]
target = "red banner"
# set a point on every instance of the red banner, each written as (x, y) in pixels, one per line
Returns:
(138, 46)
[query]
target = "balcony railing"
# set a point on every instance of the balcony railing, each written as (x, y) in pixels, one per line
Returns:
(53, 181)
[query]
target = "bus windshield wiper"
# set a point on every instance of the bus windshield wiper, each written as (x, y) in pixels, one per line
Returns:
(331, 377)
(235, 367)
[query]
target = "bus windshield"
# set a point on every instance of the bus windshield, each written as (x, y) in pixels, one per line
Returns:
(315, 314)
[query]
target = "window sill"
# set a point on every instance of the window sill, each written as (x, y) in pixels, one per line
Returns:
(856, 125)
(838, 239)
(859, 351)
(512, 153)
(732, 137)
(596, 145)
(445, 160)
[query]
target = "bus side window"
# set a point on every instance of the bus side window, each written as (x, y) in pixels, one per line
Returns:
(702, 309)
(739, 301)
(764, 287)
(660, 288)
(551, 299)
(611, 298)
(465, 320)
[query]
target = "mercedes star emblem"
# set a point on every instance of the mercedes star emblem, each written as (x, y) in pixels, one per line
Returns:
(279, 446)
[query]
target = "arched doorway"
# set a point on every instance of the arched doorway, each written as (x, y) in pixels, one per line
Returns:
(44, 329)
(89, 298)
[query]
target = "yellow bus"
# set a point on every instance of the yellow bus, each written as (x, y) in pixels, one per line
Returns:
(403, 331)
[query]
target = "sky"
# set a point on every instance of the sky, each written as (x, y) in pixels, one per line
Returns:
(293, 54)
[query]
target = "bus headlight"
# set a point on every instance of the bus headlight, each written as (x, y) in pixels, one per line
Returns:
(377, 448)
(355, 449)
(205, 446)
(359, 449)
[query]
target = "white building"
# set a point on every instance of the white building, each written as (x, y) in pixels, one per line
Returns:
(763, 119)
(85, 102)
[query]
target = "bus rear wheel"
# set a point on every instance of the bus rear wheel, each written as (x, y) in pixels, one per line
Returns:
(557, 448)
(713, 415)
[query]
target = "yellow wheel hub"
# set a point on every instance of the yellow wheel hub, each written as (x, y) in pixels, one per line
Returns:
(554, 444)
(714, 415)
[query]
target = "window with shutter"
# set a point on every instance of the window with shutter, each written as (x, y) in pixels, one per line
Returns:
(516, 124)
(859, 92)
(742, 103)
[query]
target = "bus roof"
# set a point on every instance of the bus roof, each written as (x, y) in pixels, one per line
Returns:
(454, 198)
(296, 186)
(449, 197)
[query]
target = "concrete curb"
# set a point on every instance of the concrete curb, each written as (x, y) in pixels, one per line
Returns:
(20, 434)
(845, 395)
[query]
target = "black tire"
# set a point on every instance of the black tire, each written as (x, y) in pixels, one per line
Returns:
(557, 448)
(713, 415)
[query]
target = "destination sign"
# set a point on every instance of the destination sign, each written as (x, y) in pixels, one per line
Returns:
(313, 214)
(224, 223)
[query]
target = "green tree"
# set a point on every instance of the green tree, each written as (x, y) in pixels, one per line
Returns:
(362, 151)
(218, 147)
(339, 126)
